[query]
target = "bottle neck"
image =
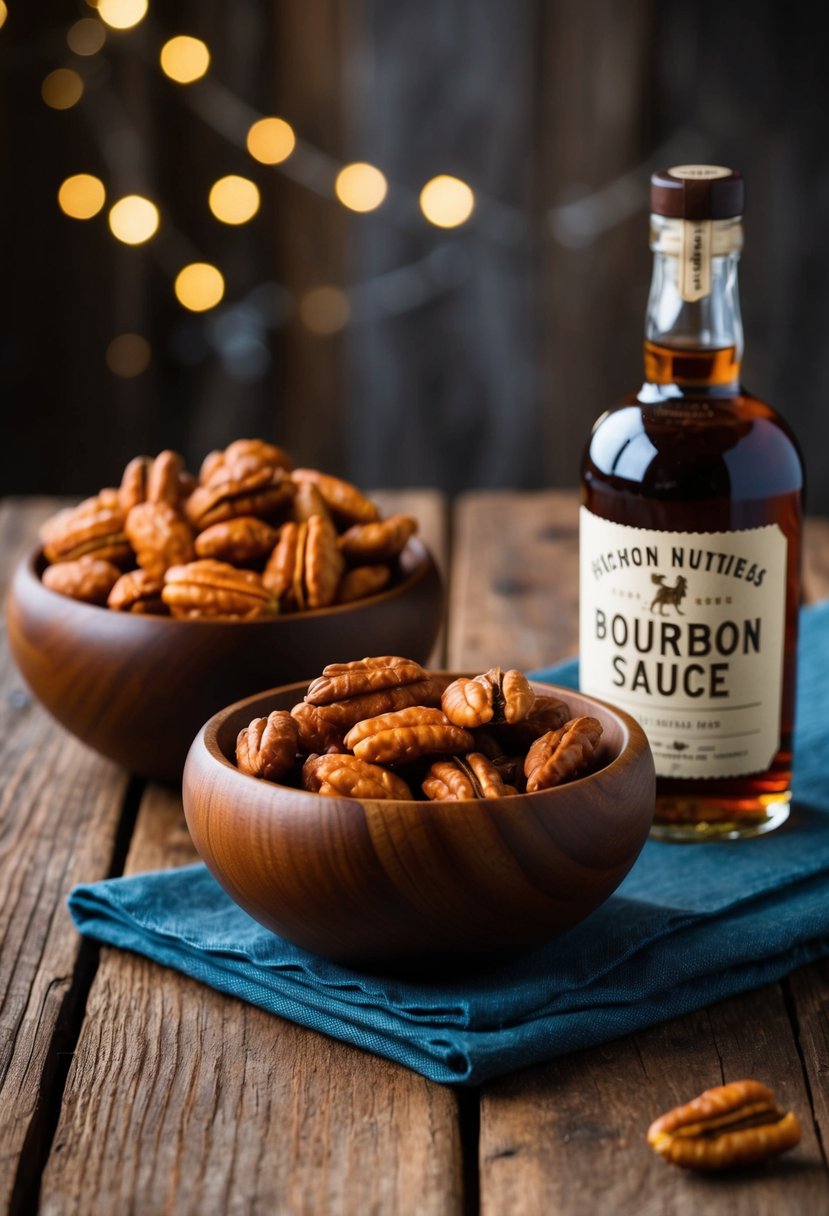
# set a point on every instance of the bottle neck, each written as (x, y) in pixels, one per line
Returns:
(693, 328)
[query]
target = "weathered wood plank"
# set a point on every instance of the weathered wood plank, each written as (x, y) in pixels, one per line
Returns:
(816, 559)
(514, 585)
(60, 808)
(555, 1138)
(181, 1099)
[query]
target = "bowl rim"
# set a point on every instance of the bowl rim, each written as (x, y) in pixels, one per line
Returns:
(634, 742)
(419, 555)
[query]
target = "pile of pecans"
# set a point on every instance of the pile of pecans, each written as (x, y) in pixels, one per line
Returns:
(252, 536)
(383, 727)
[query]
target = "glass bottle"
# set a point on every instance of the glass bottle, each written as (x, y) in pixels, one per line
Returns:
(690, 536)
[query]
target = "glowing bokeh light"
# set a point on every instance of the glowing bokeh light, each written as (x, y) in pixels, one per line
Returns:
(81, 196)
(184, 59)
(446, 201)
(271, 140)
(4, 12)
(62, 89)
(133, 219)
(122, 14)
(325, 310)
(360, 187)
(128, 355)
(234, 200)
(86, 37)
(199, 286)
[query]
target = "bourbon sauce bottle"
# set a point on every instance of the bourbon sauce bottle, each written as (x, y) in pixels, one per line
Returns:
(690, 536)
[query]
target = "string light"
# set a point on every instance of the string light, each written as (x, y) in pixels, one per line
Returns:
(360, 187)
(62, 89)
(199, 286)
(271, 140)
(184, 59)
(86, 37)
(128, 355)
(121, 14)
(81, 196)
(234, 200)
(133, 219)
(446, 201)
(325, 310)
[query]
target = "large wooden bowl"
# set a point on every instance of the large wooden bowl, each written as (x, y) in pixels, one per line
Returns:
(137, 688)
(362, 881)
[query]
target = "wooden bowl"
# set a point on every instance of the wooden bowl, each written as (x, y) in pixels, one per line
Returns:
(137, 688)
(361, 881)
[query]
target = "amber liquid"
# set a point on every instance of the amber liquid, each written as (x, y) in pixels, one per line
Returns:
(717, 460)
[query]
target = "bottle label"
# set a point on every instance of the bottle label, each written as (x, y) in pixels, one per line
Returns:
(686, 631)
(695, 259)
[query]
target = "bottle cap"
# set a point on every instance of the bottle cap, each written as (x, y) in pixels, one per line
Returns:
(697, 192)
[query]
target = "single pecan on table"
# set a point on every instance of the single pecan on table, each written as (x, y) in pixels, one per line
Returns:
(207, 588)
(731, 1125)
(496, 696)
(267, 747)
(159, 536)
(85, 578)
(351, 778)
(560, 754)
(138, 592)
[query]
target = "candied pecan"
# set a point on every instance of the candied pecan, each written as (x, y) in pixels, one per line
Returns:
(267, 747)
(160, 536)
(138, 592)
(729, 1125)
(305, 567)
(316, 733)
(133, 489)
(547, 713)
(208, 588)
(351, 778)
(379, 541)
(496, 696)
(558, 755)
(463, 778)
(86, 578)
(264, 492)
(241, 457)
(344, 499)
(88, 529)
(341, 680)
(406, 734)
(345, 714)
(307, 502)
(361, 582)
(164, 478)
(238, 541)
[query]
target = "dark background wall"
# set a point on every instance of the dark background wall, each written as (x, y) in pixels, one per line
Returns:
(472, 357)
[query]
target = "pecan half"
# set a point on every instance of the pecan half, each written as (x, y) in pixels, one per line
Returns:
(347, 713)
(307, 502)
(305, 567)
(264, 492)
(158, 480)
(208, 588)
(238, 541)
(341, 680)
(496, 696)
(379, 541)
(160, 536)
(730, 1125)
(351, 778)
(463, 778)
(316, 733)
(361, 582)
(396, 738)
(341, 497)
(90, 528)
(267, 747)
(139, 592)
(558, 755)
(241, 457)
(547, 713)
(86, 578)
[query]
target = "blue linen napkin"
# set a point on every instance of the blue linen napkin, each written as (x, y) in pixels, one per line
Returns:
(690, 925)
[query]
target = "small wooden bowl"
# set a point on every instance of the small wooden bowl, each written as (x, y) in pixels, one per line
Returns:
(137, 688)
(362, 881)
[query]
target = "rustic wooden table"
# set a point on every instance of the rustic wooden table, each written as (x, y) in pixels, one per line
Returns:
(126, 1088)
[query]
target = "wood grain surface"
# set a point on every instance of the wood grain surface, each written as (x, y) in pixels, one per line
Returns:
(178, 1099)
